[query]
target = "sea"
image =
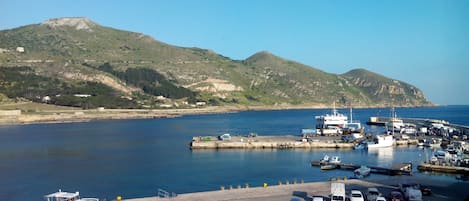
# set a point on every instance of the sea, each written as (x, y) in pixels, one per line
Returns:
(136, 158)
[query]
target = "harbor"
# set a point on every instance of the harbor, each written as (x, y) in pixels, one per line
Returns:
(130, 142)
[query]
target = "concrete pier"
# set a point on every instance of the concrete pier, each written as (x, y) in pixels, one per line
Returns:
(278, 142)
(269, 142)
(271, 193)
(443, 168)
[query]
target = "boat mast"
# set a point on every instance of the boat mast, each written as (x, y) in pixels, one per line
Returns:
(351, 119)
(392, 120)
(334, 111)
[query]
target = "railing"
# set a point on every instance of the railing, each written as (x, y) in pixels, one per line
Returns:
(165, 194)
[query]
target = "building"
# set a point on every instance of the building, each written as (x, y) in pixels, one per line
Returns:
(200, 103)
(82, 95)
(20, 49)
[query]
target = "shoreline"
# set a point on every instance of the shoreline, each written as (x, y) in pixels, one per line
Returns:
(76, 116)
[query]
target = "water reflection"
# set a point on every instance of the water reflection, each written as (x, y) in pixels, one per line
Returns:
(384, 156)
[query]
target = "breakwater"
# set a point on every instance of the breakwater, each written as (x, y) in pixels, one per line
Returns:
(278, 142)
(443, 168)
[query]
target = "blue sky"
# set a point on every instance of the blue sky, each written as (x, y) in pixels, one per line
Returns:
(424, 43)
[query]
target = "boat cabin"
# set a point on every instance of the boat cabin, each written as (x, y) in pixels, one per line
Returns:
(63, 196)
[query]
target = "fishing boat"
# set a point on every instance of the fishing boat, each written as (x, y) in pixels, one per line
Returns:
(361, 172)
(330, 163)
(396, 123)
(434, 142)
(325, 159)
(335, 160)
(382, 141)
(359, 146)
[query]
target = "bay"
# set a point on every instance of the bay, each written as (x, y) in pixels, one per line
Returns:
(133, 158)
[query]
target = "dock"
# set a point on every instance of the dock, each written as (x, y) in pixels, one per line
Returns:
(443, 168)
(284, 191)
(269, 142)
(279, 142)
(401, 169)
(382, 121)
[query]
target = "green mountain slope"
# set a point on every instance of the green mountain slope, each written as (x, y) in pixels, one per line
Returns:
(78, 52)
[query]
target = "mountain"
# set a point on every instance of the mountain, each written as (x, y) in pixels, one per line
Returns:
(63, 57)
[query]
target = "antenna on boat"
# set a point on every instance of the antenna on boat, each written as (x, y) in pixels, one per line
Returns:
(334, 111)
(351, 116)
(392, 120)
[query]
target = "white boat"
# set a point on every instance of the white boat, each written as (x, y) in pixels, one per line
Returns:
(361, 172)
(335, 160)
(66, 196)
(382, 141)
(325, 159)
(396, 123)
(421, 142)
(331, 123)
(434, 142)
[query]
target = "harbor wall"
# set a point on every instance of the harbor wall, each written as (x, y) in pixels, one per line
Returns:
(279, 142)
(269, 145)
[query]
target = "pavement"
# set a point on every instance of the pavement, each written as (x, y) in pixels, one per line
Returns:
(302, 192)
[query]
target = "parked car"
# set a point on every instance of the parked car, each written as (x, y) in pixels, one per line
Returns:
(317, 198)
(356, 195)
(411, 191)
(395, 196)
(372, 194)
(379, 198)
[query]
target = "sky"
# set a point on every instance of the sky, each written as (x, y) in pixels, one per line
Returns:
(421, 42)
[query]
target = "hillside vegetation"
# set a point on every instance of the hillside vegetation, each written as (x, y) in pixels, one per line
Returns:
(120, 69)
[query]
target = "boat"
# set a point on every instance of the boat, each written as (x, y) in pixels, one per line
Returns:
(329, 163)
(434, 142)
(396, 123)
(409, 129)
(353, 127)
(442, 155)
(325, 159)
(361, 172)
(329, 124)
(359, 146)
(335, 160)
(421, 142)
(451, 149)
(382, 141)
(66, 196)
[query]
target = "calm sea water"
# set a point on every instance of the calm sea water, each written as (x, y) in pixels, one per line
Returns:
(133, 158)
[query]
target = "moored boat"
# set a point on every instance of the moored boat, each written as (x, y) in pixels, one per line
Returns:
(335, 160)
(382, 141)
(421, 143)
(361, 172)
(331, 124)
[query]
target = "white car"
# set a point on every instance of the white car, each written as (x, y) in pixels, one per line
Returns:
(315, 198)
(356, 195)
(379, 198)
